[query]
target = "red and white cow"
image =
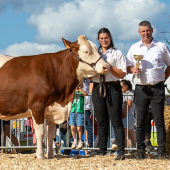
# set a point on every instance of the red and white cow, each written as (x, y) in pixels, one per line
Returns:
(42, 86)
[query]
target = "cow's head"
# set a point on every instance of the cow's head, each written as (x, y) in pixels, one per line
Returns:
(88, 53)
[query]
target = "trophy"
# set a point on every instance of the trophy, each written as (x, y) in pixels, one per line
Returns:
(136, 78)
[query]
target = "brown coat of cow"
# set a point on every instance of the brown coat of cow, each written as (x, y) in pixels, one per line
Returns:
(35, 82)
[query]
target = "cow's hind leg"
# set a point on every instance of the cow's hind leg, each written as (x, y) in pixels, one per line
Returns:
(39, 132)
(51, 130)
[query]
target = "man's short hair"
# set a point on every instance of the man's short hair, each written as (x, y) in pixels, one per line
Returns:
(145, 23)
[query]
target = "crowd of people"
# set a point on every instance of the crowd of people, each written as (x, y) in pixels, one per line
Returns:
(109, 103)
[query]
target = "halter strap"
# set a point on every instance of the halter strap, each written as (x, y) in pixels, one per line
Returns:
(90, 64)
(102, 85)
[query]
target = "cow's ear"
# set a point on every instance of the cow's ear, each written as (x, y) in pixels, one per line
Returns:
(67, 43)
(71, 45)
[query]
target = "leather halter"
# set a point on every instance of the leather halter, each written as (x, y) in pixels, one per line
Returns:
(79, 59)
(102, 77)
(102, 85)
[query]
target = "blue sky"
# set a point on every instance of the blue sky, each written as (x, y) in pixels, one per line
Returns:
(32, 26)
(42, 24)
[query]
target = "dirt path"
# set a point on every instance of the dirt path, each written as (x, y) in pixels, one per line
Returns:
(28, 161)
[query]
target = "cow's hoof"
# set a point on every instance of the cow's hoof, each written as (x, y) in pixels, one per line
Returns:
(40, 157)
(50, 157)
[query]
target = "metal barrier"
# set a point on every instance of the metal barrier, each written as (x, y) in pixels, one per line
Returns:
(17, 127)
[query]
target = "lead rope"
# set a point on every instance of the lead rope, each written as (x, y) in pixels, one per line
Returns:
(102, 85)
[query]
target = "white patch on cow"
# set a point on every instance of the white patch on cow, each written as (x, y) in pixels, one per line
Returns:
(39, 133)
(93, 45)
(18, 116)
(4, 59)
(57, 113)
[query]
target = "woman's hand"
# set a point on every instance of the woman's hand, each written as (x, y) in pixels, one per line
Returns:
(106, 69)
(78, 88)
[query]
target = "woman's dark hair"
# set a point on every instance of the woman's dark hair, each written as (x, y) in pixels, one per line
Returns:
(105, 30)
(128, 83)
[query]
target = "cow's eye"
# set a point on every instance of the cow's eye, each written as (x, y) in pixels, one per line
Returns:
(85, 51)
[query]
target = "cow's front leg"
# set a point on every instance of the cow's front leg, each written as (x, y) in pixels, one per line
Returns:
(51, 130)
(39, 132)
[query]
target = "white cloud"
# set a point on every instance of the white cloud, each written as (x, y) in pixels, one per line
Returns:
(26, 48)
(87, 17)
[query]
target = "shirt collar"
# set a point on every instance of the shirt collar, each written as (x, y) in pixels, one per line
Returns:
(108, 51)
(154, 42)
(128, 91)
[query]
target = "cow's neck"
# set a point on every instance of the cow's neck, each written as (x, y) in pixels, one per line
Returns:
(76, 67)
(79, 72)
(70, 76)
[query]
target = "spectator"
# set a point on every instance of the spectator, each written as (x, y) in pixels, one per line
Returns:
(27, 124)
(113, 139)
(32, 130)
(77, 107)
(168, 101)
(128, 100)
(65, 136)
(88, 110)
(6, 132)
(111, 105)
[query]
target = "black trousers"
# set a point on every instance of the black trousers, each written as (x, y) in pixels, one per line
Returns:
(154, 96)
(148, 125)
(110, 106)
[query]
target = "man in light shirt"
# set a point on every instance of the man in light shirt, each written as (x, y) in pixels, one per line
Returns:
(150, 90)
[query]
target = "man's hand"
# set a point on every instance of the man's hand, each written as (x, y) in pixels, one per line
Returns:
(135, 70)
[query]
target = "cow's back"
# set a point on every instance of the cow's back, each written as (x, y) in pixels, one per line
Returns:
(27, 80)
(4, 59)
(22, 79)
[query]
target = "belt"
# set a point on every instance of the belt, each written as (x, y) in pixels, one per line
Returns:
(111, 81)
(149, 85)
(106, 82)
